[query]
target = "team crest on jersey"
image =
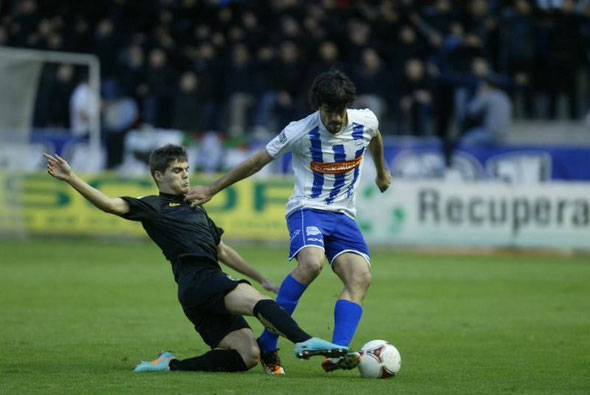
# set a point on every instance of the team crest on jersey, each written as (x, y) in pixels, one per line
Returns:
(312, 231)
(336, 167)
(282, 137)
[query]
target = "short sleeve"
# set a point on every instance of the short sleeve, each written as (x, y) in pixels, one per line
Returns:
(284, 141)
(139, 209)
(370, 121)
(215, 230)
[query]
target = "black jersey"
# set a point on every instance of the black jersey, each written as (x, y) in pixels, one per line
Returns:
(182, 232)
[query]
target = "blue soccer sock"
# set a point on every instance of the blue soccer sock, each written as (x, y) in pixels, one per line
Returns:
(288, 297)
(347, 316)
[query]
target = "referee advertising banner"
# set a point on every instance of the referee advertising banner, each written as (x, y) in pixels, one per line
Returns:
(417, 213)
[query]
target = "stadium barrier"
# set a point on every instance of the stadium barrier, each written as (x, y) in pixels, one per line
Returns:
(406, 157)
(486, 214)
(424, 213)
(250, 210)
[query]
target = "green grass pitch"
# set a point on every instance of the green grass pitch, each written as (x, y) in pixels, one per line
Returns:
(77, 315)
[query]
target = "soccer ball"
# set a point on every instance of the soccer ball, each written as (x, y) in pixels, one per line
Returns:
(379, 360)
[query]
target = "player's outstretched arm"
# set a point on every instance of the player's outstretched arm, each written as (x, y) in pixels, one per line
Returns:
(231, 258)
(383, 179)
(59, 168)
(203, 193)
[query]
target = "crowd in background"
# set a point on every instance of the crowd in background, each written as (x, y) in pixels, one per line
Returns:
(245, 66)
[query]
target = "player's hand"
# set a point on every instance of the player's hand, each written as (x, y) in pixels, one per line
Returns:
(383, 180)
(269, 286)
(57, 167)
(200, 194)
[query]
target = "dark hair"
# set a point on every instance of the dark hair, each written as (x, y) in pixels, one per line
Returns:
(332, 88)
(160, 158)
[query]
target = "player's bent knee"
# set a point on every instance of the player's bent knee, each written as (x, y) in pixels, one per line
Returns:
(310, 267)
(364, 280)
(243, 341)
(358, 283)
(251, 357)
(250, 353)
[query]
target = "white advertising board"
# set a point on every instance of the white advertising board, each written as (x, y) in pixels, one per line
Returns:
(548, 215)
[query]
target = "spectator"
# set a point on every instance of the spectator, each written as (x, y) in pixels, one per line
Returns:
(541, 42)
(291, 98)
(105, 44)
(84, 105)
(416, 99)
(372, 83)
(57, 82)
(285, 98)
(566, 50)
(119, 117)
(489, 116)
(328, 57)
(64, 86)
(438, 19)
(385, 25)
(80, 36)
(131, 75)
(160, 77)
(239, 89)
(208, 66)
(186, 114)
(519, 48)
(359, 34)
(408, 48)
(264, 67)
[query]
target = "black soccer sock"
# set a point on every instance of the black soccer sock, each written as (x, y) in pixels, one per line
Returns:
(212, 361)
(278, 321)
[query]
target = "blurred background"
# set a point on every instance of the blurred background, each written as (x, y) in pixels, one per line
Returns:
(484, 106)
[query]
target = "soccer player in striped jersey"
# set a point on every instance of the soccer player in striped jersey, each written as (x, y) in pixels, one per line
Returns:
(328, 149)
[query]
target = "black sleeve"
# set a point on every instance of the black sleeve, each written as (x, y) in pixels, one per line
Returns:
(139, 209)
(215, 231)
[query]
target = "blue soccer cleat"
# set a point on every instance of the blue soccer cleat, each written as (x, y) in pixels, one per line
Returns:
(160, 364)
(317, 346)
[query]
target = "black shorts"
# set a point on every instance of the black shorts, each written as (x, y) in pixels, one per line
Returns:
(201, 291)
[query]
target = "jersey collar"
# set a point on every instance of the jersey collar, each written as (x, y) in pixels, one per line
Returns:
(178, 198)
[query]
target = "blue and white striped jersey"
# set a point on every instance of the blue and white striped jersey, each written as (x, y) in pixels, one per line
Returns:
(327, 166)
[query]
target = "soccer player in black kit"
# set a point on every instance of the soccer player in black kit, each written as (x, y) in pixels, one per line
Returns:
(213, 301)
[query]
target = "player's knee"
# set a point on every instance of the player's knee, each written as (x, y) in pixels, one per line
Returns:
(359, 282)
(365, 279)
(310, 268)
(251, 355)
(248, 349)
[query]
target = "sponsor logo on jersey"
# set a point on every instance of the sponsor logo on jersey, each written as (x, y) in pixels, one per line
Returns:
(336, 167)
(315, 239)
(312, 231)
(174, 204)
